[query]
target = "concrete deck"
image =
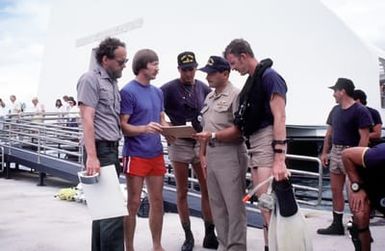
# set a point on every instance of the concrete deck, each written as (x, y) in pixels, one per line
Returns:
(33, 219)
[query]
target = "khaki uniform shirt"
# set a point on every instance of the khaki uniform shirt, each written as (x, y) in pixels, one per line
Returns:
(218, 109)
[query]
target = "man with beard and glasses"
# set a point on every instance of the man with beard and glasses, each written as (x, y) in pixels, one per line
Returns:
(99, 103)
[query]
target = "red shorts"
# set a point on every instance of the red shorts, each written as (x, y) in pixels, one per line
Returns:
(144, 166)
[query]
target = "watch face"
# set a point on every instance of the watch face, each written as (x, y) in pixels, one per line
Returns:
(355, 187)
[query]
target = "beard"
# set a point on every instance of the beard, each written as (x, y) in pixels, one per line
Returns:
(114, 74)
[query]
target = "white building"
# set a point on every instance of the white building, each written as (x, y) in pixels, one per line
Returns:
(309, 45)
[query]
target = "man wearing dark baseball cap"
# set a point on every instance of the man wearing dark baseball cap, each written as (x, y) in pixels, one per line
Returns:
(187, 60)
(225, 159)
(344, 84)
(216, 64)
(348, 126)
(183, 100)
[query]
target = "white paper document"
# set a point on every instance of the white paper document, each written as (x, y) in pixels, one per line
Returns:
(105, 198)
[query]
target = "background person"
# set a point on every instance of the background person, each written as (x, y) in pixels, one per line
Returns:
(183, 100)
(14, 106)
(65, 103)
(39, 110)
(375, 130)
(348, 125)
(59, 105)
(365, 169)
(61, 113)
(3, 113)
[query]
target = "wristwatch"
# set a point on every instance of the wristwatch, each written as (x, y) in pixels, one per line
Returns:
(213, 139)
(355, 186)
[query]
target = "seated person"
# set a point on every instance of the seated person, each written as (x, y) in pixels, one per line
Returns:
(365, 168)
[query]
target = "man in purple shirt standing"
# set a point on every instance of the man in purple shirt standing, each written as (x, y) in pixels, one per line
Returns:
(348, 125)
(183, 100)
(141, 120)
(375, 130)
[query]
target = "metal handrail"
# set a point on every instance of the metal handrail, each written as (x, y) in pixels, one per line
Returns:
(319, 175)
(18, 132)
(317, 189)
(2, 159)
(45, 136)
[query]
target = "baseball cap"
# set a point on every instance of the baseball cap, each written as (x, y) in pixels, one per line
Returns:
(344, 83)
(187, 60)
(216, 64)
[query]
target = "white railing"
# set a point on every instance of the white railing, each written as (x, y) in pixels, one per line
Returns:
(50, 135)
(306, 174)
(2, 159)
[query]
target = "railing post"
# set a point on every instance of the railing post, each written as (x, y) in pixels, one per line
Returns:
(2, 159)
(38, 146)
(319, 175)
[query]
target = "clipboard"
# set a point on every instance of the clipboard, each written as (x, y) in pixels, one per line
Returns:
(103, 194)
(182, 131)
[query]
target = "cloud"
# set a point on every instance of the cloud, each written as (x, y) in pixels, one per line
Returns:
(23, 26)
(22, 29)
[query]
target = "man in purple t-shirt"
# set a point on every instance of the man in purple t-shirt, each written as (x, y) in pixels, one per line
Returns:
(183, 100)
(375, 130)
(141, 120)
(348, 125)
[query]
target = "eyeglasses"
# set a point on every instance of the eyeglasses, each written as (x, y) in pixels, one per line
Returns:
(121, 62)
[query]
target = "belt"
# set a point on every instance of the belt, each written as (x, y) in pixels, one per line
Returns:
(107, 143)
(341, 146)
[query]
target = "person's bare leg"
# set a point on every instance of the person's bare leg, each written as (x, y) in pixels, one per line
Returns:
(181, 175)
(205, 204)
(155, 194)
(361, 221)
(337, 182)
(260, 174)
(134, 190)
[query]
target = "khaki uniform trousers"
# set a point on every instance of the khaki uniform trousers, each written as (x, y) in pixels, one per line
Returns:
(226, 179)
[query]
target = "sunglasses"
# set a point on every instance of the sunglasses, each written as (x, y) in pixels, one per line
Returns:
(121, 62)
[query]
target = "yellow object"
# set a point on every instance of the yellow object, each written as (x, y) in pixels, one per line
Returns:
(67, 194)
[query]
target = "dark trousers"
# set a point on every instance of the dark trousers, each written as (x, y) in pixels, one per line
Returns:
(107, 234)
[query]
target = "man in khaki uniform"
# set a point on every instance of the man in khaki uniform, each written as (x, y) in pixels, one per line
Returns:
(224, 163)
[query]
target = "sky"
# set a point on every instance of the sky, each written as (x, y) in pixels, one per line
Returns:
(24, 25)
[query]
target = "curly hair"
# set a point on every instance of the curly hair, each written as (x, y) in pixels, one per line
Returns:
(107, 48)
